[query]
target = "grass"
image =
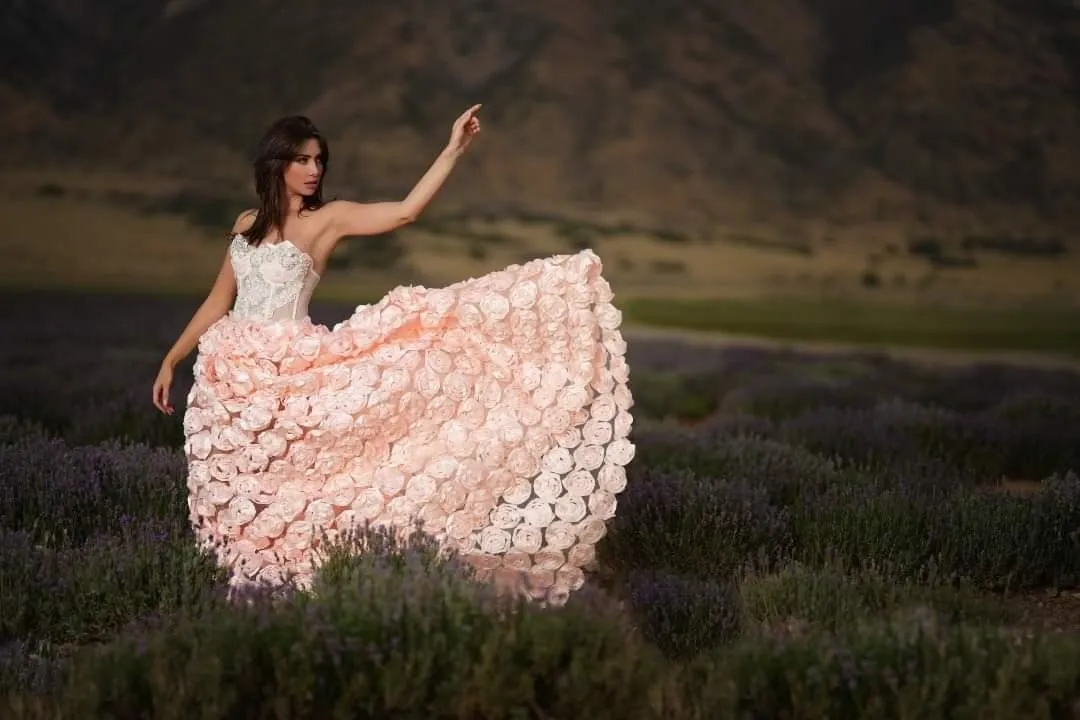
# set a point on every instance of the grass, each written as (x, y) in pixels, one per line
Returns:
(99, 230)
(829, 539)
(1048, 330)
(76, 239)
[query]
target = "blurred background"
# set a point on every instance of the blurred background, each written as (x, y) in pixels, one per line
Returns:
(895, 172)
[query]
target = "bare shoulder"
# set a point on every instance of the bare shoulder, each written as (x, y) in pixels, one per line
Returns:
(336, 209)
(333, 209)
(244, 221)
(333, 213)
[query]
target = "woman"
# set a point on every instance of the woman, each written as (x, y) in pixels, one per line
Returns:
(495, 411)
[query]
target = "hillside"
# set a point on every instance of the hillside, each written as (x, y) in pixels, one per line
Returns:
(682, 114)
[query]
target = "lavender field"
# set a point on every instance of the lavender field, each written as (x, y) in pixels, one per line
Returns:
(801, 536)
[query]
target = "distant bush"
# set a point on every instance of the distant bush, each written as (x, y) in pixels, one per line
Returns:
(206, 212)
(926, 247)
(376, 252)
(51, 190)
(577, 236)
(893, 432)
(785, 397)
(668, 267)
(789, 246)
(671, 236)
(476, 250)
(1019, 246)
(935, 252)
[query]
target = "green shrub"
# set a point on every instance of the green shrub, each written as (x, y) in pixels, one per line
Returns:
(684, 616)
(994, 540)
(402, 638)
(785, 473)
(85, 594)
(695, 525)
(671, 395)
(912, 666)
(829, 598)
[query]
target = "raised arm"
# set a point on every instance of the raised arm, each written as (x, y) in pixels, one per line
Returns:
(354, 218)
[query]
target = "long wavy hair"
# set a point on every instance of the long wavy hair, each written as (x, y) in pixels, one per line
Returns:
(279, 146)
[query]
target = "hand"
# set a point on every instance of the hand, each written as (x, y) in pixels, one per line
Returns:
(464, 129)
(162, 385)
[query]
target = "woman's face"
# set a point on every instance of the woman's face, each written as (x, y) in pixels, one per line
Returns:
(304, 173)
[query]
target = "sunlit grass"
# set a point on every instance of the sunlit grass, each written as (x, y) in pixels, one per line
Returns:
(1043, 330)
(1036, 329)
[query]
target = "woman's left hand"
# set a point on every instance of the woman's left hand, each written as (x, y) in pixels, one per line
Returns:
(464, 129)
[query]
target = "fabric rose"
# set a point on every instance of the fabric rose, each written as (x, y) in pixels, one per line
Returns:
(222, 467)
(579, 482)
(603, 505)
(570, 508)
(524, 294)
(603, 408)
(620, 452)
(589, 457)
(519, 493)
(550, 559)
(528, 538)
(581, 555)
(612, 478)
(493, 413)
(522, 463)
(591, 530)
(420, 488)
(494, 540)
(559, 461)
(538, 513)
(569, 438)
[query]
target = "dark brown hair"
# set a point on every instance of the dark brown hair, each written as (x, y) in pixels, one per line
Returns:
(279, 146)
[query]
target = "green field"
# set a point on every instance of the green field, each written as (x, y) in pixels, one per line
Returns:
(861, 286)
(1043, 330)
(800, 536)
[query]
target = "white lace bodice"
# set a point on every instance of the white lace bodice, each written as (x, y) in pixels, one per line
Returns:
(274, 281)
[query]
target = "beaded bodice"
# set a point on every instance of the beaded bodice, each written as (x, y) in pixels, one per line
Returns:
(274, 281)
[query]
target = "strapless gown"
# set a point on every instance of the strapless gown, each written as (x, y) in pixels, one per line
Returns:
(495, 412)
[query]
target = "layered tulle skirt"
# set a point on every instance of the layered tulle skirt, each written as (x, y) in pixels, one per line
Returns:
(494, 413)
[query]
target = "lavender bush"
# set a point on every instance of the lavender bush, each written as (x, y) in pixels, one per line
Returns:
(801, 536)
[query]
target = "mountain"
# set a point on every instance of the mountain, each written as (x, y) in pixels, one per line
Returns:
(685, 114)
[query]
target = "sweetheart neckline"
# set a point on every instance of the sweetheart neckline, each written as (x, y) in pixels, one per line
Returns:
(295, 247)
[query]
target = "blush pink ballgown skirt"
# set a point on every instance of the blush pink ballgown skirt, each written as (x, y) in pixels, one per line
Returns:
(495, 412)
